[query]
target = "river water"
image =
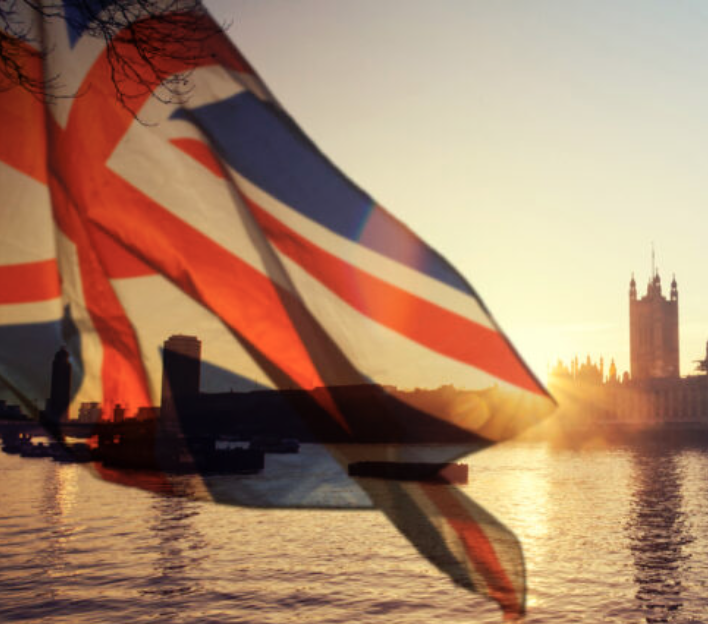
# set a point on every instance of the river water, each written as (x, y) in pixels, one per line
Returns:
(610, 535)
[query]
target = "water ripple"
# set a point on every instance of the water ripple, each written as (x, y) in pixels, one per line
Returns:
(611, 535)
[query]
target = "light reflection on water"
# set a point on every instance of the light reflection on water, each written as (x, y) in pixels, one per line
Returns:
(658, 534)
(611, 535)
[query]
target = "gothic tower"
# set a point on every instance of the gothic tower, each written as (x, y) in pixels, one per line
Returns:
(653, 331)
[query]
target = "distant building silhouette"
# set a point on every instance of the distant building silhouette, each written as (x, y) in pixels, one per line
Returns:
(589, 372)
(90, 412)
(60, 394)
(653, 331)
(118, 413)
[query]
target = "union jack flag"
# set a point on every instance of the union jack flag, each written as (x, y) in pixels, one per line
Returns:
(215, 215)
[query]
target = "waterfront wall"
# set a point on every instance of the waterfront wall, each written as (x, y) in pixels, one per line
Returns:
(648, 401)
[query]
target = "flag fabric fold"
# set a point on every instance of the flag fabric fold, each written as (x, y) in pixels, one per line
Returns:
(214, 215)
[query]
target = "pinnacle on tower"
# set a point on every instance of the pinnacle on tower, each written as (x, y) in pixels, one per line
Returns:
(654, 270)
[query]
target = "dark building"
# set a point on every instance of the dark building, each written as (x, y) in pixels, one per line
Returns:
(653, 331)
(60, 394)
(181, 366)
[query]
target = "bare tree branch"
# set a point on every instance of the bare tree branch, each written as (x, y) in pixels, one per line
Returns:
(19, 60)
(145, 40)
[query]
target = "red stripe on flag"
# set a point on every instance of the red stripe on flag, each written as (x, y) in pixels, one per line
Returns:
(426, 323)
(23, 144)
(29, 282)
(244, 298)
(88, 127)
(122, 373)
(478, 547)
(201, 153)
(117, 262)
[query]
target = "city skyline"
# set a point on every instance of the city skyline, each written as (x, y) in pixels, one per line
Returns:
(540, 148)
(188, 351)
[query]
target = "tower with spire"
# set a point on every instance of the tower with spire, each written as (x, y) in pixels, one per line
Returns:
(653, 329)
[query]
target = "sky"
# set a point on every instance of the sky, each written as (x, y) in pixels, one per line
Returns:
(541, 146)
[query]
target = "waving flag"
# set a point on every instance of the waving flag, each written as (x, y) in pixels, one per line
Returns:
(214, 215)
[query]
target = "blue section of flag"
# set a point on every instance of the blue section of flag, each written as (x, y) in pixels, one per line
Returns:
(78, 15)
(266, 147)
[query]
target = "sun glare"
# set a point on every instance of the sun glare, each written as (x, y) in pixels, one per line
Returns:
(540, 348)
